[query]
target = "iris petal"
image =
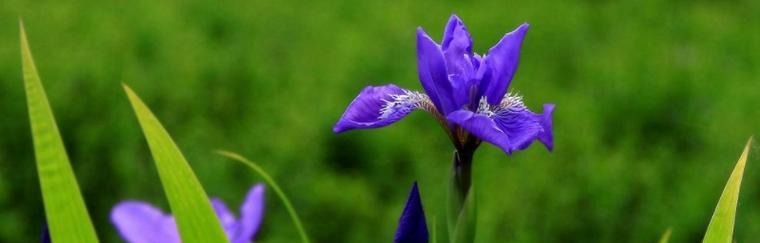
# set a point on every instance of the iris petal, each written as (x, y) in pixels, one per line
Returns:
(366, 111)
(431, 68)
(456, 33)
(546, 136)
(508, 129)
(500, 63)
(457, 50)
(226, 217)
(139, 222)
(411, 226)
(251, 214)
(520, 126)
(482, 127)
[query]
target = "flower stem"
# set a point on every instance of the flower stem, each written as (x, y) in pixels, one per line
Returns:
(462, 173)
(462, 206)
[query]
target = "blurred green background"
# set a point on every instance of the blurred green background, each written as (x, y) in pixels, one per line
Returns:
(655, 100)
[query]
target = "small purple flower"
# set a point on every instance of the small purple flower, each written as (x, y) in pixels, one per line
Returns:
(466, 92)
(411, 226)
(141, 222)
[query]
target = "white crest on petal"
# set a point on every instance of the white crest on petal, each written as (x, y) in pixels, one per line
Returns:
(512, 102)
(484, 108)
(405, 103)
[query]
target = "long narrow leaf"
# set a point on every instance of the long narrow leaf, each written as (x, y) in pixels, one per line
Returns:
(666, 236)
(721, 228)
(275, 187)
(65, 210)
(195, 217)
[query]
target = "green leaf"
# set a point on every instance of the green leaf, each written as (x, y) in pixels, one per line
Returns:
(66, 213)
(721, 228)
(434, 233)
(275, 187)
(666, 236)
(189, 204)
(463, 228)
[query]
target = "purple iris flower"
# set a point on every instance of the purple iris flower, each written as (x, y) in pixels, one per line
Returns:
(411, 226)
(141, 222)
(465, 92)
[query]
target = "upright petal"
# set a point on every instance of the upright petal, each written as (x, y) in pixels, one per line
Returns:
(378, 106)
(431, 68)
(251, 214)
(500, 63)
(457, 50)
(546, 136)
(411, 226)
(456, 33)
(139, 222)
(226, 217)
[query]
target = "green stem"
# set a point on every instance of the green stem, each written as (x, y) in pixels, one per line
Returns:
(462, 173)
(275, 187)
(462, 212)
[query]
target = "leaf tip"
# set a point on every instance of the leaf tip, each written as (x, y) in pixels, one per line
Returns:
(130, 93)
(126, 88)
(22, 36)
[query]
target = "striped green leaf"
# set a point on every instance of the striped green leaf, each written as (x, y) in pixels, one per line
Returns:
(721, 228)
(189, 204)
(66, 213)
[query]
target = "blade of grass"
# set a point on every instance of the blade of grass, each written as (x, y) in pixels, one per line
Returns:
(721, 227)
(666, 236)
(275, 187)
(65, 209)
(189, 204)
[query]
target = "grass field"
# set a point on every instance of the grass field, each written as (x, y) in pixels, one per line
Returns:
(655, 100)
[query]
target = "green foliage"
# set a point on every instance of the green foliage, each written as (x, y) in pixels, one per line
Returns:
(272, 183)
(66, 213)
(434, 230)
(721, 228)
(463, 224)
(650, 94)
(190, 206)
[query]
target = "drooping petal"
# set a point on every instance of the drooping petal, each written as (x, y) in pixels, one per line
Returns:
(251, 214)
(508, 129)
(411, 226)
(546, 136)
(140, 222)
(377, 106)
(457, 50)
(500, 63)
(482, 127)
(520, 125)
(226, 217)
(431, 68)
